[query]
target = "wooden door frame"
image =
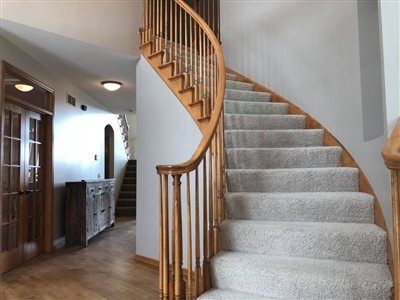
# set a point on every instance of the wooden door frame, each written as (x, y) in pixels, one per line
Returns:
(47, 114)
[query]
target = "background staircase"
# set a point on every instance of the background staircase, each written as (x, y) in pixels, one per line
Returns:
(126, 204)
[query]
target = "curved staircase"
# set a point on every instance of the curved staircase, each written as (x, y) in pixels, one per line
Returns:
(296, 225)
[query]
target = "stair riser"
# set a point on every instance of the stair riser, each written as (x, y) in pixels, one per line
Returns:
(235, 85)
(301, 208)
(283, 158)
(246, 96)
(303, 240)
(286, 281)
(129, 181)
(126, 203)
(273, 138)
(231, 77)
(125, 212)
(254, 122)
(293, 180)
(127, 195)
(128, 187)
(243, 107)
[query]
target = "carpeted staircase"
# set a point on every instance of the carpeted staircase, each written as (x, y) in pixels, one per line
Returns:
(296, 227)
(126, 204)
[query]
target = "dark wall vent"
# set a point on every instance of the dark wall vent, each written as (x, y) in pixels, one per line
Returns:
(71, 100)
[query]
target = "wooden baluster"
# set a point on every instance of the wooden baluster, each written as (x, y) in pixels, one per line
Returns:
(175, 58)
(197, 236)
(196, 71)
(166, 32)
(215, 196)
(161, 239)
(161, 13)
(165, 242)
(219, 21)
(171, 30)
(210, 203)
(186, 52)
(206, 259)
(191, 83)
(179, 284)
(151, 24)
(189, 237)
(157, 25)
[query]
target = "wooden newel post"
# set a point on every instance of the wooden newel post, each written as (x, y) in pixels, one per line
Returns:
(179, 285)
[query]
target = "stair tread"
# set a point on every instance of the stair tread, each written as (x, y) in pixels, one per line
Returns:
(342, 241)
(300, 278)
(281, 122)
(232, 84)
(296, 157)
(246, 95)
(261, 108)
(223, 294)
(346, 207)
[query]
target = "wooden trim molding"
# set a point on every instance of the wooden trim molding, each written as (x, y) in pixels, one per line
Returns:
(391, 157)
(329, 140)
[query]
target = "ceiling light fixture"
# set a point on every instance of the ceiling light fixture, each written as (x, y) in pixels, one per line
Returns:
(24, 87)
(111, 85)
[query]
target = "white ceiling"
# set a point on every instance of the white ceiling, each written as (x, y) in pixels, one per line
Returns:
(85, 43)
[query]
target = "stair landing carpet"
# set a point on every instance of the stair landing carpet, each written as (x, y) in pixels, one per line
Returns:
(297, 226)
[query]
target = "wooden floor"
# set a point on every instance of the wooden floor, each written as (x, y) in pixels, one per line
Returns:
(104, 270)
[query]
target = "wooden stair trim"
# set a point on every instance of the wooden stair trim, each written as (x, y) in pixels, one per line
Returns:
(329, 140)
(391, 150)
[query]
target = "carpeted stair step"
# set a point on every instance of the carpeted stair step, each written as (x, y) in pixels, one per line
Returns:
(129, 180)
(236, 85)
(264, 122)
(128, 187)
(262, 108)
(220, 294)
(273, 138)
(246, 96)
(293, 180)
(131, 168)
(276, 158)
(350, 241)
(345, 207)
(125, 211)
(230, 77)
(130, 174)
(283, 277)
(127, 194)
(126, 202)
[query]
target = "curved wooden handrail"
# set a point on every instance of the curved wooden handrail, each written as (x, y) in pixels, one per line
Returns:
(202, 148)
(391, 150)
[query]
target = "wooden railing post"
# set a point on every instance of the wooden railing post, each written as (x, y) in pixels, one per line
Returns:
(391, 156)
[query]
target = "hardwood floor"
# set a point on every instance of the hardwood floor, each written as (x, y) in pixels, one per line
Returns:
(104, 270)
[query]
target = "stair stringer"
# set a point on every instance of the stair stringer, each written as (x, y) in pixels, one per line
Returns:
(329, 140)
(176, 85)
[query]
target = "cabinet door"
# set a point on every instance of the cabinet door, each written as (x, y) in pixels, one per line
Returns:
(111, 204)
(90, 199)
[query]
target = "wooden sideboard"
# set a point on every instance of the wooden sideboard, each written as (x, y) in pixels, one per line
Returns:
(89, 209)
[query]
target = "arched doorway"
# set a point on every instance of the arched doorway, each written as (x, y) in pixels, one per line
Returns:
(108, 152)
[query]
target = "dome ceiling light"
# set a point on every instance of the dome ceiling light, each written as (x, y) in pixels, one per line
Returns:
(111, 85)
(24, 87)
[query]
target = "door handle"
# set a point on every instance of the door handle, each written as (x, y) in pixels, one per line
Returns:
(28, 191)
(21, 192)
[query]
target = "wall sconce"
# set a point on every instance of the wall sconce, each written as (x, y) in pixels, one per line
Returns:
(111, 85)
(24, 87)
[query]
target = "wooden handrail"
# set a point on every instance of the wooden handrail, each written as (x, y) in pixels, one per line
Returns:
(202, 148)
(391, 150)
(183, 49)
(391, 156)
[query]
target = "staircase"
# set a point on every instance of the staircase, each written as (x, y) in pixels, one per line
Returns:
(126, 204)
(296, 225)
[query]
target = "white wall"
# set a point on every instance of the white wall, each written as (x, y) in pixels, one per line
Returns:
(390, 24)
(132, 135)
(166, 134)
(78, 135)
(309, 52)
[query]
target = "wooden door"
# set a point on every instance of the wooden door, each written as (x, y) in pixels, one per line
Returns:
(22, 188)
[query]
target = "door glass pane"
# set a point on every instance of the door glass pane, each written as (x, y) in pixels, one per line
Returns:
(37, 227)
(6, 179)
(38, 130)
(37, 155)
(7, 128)
(32, 129)
(5, 209)
(32, 154)
(16, 125)
(7, 151)
(4, 238)
(31, 178)
(38, 206)
(16, 145)
(13, 236)
(14, 207)
(15, 173)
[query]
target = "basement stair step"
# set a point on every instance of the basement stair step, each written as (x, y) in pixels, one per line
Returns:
(277, 158)
(129, 180)
(349, 241)
(342, 207)
(283, 277)
(125, 211)
(264, 122)
(246, 107)
(236, 85)
(273, 138)
(128, 187)
(246, 95)
(293, 180)
(126, 202)
(127, 194)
